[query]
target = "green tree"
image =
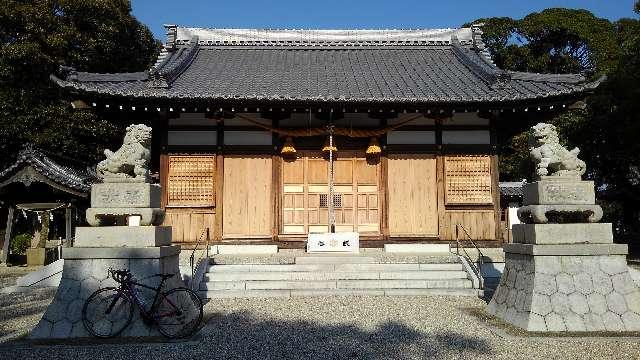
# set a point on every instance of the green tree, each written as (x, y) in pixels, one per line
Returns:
(575, 41)
(36, 38)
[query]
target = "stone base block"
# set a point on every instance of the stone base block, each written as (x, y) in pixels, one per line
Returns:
(542, 214)
(546, 234)
(36, 256)
(567, 250)
(333, 242)
(123, 236)
(559, 190)
(567, 294)
(105, 216)
(85, 271)
(125, 195)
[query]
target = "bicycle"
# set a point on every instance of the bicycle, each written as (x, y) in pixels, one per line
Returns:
(108, 311)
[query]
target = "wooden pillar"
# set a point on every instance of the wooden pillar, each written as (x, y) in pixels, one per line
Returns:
(7, 234)
(219, 183)
(442, 224)
(495, 190)
(68, 225)
(384, 196)
(276, 182)
(164, 179)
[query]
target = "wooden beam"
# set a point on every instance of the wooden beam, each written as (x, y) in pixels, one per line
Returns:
(7, 234)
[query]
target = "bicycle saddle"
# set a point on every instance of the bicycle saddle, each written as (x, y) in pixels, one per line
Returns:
(165, 276)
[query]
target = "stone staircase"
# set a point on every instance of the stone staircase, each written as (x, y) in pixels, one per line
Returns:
(292, 275)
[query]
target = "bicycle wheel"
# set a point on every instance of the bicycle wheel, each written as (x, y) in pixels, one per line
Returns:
(179, 313)
(107, 312)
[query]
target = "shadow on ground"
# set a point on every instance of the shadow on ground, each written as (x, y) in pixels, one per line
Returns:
(21, 311)
(242, 336)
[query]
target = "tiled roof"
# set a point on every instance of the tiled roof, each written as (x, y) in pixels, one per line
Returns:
(345, 66)
(58, 171)
(511, 188)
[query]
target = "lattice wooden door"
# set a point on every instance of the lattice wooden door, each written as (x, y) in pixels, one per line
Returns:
(305, 196)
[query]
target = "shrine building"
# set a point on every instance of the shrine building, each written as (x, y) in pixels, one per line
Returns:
(241, 119)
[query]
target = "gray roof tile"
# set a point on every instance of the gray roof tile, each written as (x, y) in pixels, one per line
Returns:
(345, 67)
(57, 170)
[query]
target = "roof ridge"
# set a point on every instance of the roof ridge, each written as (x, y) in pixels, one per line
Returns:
(170, 68)
(478, 43)
(177, 35)
(314, 29)
(487, 71)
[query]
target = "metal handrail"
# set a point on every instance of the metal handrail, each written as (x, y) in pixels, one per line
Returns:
(192, 258)
(477, 268)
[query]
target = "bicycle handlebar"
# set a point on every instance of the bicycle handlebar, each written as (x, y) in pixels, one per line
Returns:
(120, 276)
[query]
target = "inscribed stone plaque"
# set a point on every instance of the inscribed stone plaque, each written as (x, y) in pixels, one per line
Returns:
(559, 191)
(125, 195)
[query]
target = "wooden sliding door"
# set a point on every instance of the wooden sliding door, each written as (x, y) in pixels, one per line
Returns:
(413, 205)
(247, 197)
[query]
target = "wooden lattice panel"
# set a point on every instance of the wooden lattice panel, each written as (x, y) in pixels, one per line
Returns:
(305, 204)
(191, 180)
(468, 180)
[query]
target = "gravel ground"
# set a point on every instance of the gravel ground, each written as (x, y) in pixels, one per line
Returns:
(9, 274)
(337, 328)
(20, 311)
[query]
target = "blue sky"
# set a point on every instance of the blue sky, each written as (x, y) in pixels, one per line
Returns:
(351, 14)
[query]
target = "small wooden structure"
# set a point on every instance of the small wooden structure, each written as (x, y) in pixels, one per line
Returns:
(240, 118)
(40, 182)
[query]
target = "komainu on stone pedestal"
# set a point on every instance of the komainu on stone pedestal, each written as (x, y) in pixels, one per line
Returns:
(144, 250)
(559, 195)
(126, 191)
(563, 272)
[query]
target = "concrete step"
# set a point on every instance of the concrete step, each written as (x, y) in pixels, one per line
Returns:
(335, 284)
(320, 275)
(269, 268)
(398, 267)
(404, 284)
(333, 267)
(339, 292)
(327, 259)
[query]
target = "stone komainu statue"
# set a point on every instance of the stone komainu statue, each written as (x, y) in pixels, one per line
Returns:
(551, 158)
(130, 163)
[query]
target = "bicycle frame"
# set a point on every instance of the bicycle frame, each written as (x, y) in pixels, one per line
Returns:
(128, 289)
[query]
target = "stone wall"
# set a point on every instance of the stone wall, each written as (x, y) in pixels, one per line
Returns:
(567, 293)
(84, 273)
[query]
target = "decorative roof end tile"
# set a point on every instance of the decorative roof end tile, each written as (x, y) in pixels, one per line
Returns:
(172, 34)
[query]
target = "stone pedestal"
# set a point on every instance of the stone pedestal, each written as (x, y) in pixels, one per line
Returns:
(556, 199)
(111, 203)
(567, 288)
(144, 250)
(85, 271)
(568, 275)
